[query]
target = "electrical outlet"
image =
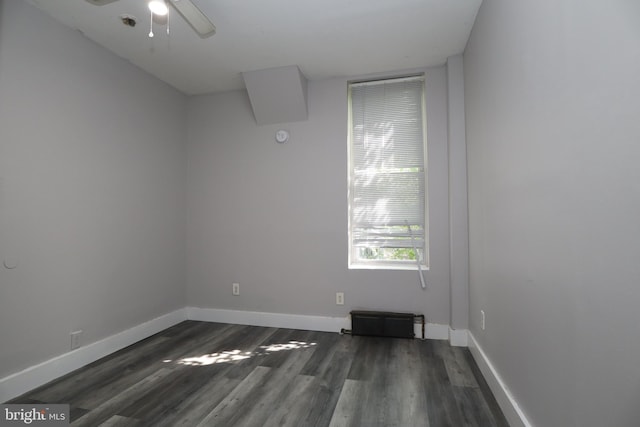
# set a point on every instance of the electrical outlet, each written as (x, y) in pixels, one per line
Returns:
(75, 339)
(236, 288)
(482, 324)
(339, 298)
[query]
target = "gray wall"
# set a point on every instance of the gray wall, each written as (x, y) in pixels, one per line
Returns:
(92, 190)
(552, 95)
(274, 217)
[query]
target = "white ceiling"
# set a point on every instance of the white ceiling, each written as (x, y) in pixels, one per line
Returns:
(325, 38)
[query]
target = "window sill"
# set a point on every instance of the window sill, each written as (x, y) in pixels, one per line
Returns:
(406, 267)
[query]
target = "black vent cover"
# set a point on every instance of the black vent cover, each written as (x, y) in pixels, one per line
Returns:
(382, 324)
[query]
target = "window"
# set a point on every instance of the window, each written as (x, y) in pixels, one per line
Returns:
(387, 174)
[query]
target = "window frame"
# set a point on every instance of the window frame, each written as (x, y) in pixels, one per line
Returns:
(355, 262)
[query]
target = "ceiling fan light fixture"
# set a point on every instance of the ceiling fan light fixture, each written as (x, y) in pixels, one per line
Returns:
(189, 11)
(158, 7)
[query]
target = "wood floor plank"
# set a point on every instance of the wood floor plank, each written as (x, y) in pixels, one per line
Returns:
(172, 390)
(368, 354)
(404, 402)
(277, 349)
(326, 345)
(442, 409)
(119, 421)
(212, 374)
(66, 387)
(188, 343)
(376, 382)
(473, 408)
(279, 385)
(113, 405)
(292, 407)
(457, 366)
(196, 406)
(98, 382)
(251, 341)
(233, 407)
(219, 381)
(346, 413)
(485, 392)
(324, 394)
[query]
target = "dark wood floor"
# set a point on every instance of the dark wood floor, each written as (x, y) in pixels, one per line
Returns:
(213, 374)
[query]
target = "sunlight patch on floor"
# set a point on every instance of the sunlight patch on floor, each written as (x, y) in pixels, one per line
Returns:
(238, 355)
(213, 358)
(291, 345)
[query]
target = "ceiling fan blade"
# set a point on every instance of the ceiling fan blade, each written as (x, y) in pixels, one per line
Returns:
(100, 2)
(194, 17)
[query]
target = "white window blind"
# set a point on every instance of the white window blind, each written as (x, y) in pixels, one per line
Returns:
(387, 174)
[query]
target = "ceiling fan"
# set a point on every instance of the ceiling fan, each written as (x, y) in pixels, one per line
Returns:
(189, 11)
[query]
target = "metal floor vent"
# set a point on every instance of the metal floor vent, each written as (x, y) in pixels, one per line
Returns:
(383, 324)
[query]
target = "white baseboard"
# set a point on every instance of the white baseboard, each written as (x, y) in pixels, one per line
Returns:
(433, 331)
(458, 337)
(275, 320)
(507, 402)
(16, 384)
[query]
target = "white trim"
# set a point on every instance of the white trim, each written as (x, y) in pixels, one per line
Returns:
(374, 82)
(275, 320)
(379, 265)
(507, 402)
(19, 383)
(433, 331)
(458, 337)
